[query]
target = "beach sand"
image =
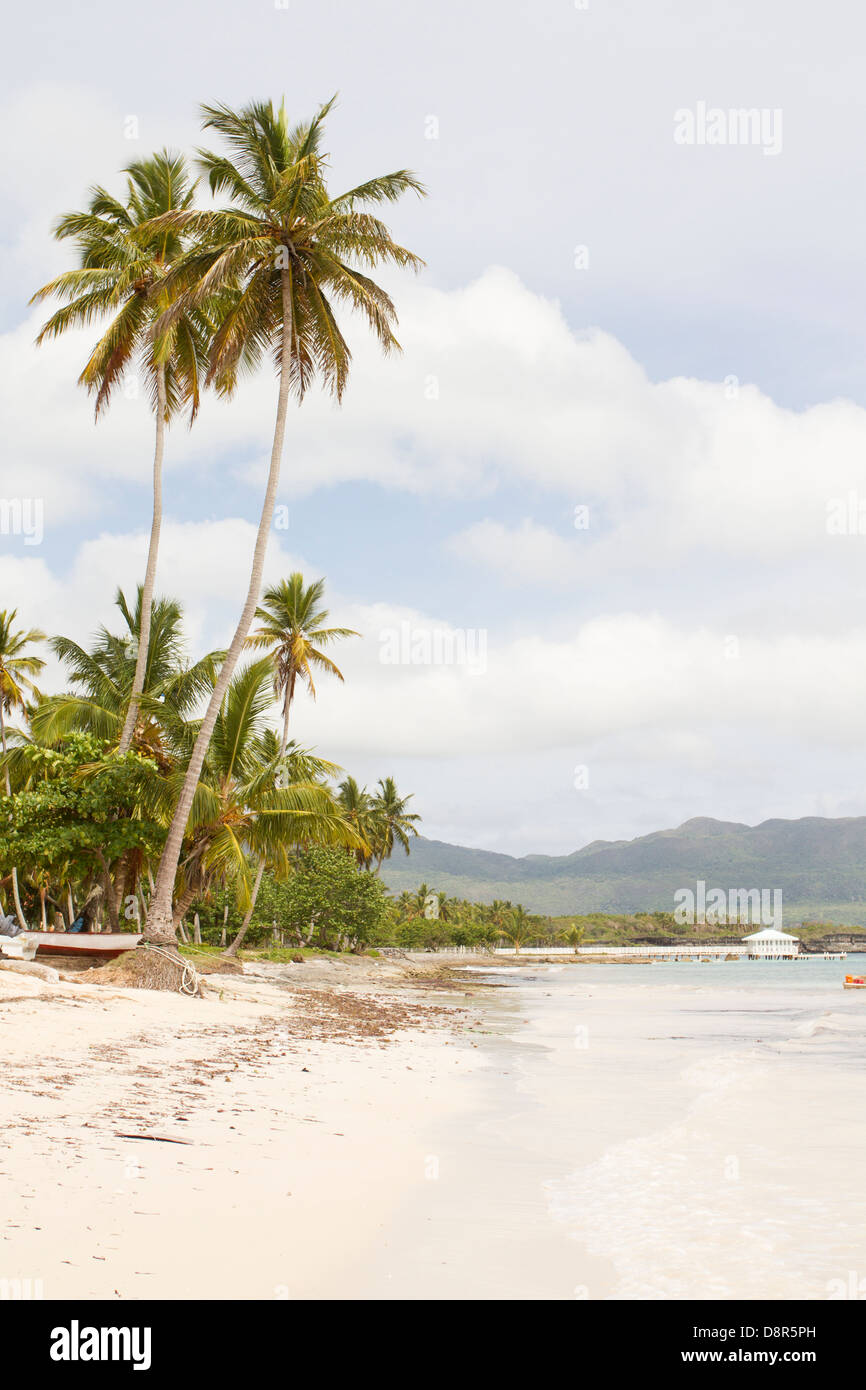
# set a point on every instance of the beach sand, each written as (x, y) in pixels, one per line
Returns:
(373, 1129)
(305, 1100)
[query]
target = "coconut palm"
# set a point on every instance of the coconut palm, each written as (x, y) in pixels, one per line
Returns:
(357, 807)
(393, 823)
(518, 928)
(575, 936)
(102, 679)
(124, 262)
(17, 670)
(292, 629)
(243, 809)
(286, 252)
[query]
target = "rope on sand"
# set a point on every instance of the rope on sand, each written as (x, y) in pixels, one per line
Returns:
(189, 980)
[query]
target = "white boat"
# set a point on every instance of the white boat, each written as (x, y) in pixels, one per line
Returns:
(105, 945)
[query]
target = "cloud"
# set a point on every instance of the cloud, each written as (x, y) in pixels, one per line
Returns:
(494, 389)
(528, 553)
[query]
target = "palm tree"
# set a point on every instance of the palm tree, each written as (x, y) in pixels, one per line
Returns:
(357, 807)
(242, 809)
(124, 262)
(575, 936)
(293, 631)
(422, 893)
(393, 823)
(444, 907)
(518, 928)
(17, 670)
(285, 252)
(102, 679)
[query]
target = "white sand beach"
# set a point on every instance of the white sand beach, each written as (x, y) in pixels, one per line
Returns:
(359, 1130)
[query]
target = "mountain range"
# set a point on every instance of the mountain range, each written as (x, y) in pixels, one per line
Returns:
(818, 863)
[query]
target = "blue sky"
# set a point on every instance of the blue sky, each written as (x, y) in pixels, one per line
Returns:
(670, 336)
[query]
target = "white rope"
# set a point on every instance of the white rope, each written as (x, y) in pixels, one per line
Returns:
(189, 980)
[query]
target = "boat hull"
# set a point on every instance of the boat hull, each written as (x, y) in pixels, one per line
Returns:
(105, 945)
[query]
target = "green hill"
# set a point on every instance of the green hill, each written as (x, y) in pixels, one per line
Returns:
(819, 864)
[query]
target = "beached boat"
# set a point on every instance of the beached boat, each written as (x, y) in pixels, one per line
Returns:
(105, 945)
(854, 982)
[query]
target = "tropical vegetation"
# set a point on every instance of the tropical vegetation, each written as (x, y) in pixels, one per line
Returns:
(153, 783)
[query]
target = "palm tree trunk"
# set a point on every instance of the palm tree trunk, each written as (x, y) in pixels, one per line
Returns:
(182, 906)
(159, 929)
(248, 915)
(17, 900)
(150, 571)
(245, 924)
(290, 690)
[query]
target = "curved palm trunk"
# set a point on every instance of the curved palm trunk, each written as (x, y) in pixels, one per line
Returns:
(182, 907)
(150, 571)
(248, 915)
(17, 900)
(159, 928)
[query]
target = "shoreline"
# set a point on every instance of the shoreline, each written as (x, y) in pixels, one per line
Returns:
(359, 1128)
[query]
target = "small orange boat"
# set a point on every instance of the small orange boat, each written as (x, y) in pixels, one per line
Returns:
(854, 982)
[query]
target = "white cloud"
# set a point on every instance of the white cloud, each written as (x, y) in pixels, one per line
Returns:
(493, 388)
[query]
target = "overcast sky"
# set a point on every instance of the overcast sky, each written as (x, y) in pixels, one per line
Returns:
(625, 446)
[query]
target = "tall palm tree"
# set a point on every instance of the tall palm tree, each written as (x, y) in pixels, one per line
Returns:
(394, 824)
(293, 631)
(124, 262)
(17, 670)
(286, 252)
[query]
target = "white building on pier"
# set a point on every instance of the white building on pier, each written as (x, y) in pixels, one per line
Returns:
(770, 944)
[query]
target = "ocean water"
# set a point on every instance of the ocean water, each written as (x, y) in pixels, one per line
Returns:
(705, 1122)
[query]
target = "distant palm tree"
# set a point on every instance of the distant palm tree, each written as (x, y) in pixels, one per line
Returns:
(17, 669)
(518, 927)
(420, 897)
(575, 936)
(357, 806)
(124, 262)
(284, 252)
(292, 628)
(393, 823)
(444, 907)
